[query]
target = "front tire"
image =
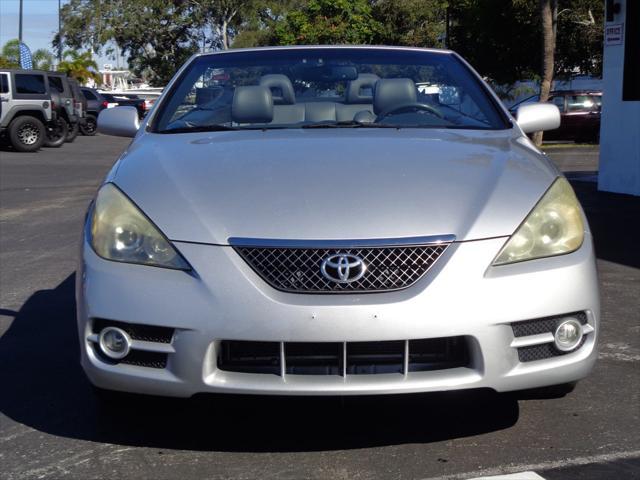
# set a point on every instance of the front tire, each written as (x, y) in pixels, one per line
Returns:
(90, 127)
(57, 133)
(72, 133)
(27, 133)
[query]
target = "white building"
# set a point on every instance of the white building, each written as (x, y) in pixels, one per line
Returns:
(620, 128)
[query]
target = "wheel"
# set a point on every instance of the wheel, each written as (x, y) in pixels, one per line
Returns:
(56, 133)
(73, 130)
(26, 133)
(90, 127)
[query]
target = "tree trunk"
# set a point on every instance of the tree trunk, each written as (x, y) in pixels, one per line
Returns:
(549, 18)
(225, 37)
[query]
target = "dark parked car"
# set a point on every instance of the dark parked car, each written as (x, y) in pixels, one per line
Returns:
(95, 104)
(128, 100)
(579, 113)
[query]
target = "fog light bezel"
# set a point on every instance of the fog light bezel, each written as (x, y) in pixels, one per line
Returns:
(110, 353)
(575, 345)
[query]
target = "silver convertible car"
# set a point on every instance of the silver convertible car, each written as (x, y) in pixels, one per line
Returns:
(334, 221)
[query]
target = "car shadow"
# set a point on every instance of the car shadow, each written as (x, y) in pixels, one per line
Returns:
(44, 388)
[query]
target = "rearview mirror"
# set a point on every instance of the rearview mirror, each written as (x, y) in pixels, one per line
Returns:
(536, 117)
(119, 121)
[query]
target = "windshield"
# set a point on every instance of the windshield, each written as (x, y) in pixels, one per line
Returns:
(327, 88)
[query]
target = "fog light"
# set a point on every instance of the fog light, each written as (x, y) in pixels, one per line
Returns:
(114, 342)
(568, 335)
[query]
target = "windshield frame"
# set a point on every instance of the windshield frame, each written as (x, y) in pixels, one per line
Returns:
(502, 115)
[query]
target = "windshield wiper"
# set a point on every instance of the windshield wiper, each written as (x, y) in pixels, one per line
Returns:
(200, 128)
(348, 124)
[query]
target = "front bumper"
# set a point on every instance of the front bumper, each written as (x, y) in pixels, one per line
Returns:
(224, 299)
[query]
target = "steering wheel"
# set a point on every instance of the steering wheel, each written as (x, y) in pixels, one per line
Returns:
(411, 106)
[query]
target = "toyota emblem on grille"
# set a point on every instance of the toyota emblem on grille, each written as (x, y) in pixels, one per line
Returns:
(343, 268)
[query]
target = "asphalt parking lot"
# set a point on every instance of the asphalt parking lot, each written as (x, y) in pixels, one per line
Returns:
(51, 425)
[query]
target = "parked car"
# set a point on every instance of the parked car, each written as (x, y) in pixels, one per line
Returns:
(127, 101)
(579, 114)
(305, 222)
(63, 104)
(95, 104)
(26, 113)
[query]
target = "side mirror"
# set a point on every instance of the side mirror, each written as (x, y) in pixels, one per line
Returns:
(119, 121)
(534, 117)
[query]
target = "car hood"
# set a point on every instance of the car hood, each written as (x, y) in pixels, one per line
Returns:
(334, 183)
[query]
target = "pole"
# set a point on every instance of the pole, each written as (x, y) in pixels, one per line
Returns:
(20, 24)
(59, 32)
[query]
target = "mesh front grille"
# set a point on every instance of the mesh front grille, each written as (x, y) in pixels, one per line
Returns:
(299, 269)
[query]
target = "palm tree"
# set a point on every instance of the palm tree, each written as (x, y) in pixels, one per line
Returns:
(79, 66)
(43, 59)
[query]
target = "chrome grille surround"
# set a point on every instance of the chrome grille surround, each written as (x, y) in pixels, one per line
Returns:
(295, 266)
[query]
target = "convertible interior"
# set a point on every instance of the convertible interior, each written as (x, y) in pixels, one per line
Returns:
(273, 101)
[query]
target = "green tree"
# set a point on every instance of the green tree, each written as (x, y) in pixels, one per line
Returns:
(43, 59)
(220, 19)
(257, 25)
(79, 66)
(419, 23)
(156, 35)
(10, 56)
(500, 38)
(328, 22)
(579, 37)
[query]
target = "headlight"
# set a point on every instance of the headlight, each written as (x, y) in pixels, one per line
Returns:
(553, 227)
(121, 232)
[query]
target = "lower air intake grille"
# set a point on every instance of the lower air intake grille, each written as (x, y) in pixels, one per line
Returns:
(146, 359)
(147, 333)
(541, 352)
(339, 358)
(543, 325)
(298, 270)
(137, 332)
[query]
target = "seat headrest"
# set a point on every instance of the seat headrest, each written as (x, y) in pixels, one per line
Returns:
(393, 92)
(252, 104)
(281, 88)
(355, 93)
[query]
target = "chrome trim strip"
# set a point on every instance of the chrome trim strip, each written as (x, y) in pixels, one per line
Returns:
(283, 361)
(140, 345)
(532, 340)
(405, 363)
(363, 243)
(152, 346)
(344, 359)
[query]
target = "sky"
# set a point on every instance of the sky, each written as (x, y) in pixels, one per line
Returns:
(39, 24)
